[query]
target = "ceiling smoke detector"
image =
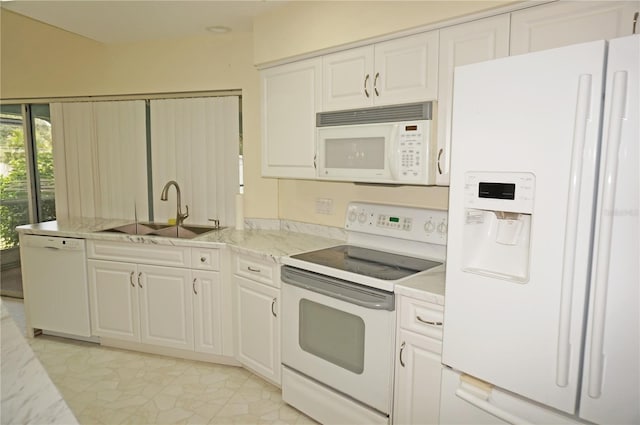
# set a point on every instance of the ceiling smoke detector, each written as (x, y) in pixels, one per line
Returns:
(218, 29)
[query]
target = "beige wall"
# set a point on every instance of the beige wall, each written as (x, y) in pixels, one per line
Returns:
(39, 61)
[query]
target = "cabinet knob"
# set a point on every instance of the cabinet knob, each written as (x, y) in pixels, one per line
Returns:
(203, 259)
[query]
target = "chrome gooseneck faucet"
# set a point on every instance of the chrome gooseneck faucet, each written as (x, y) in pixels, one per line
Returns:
(165, 196)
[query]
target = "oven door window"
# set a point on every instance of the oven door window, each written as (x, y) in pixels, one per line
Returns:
(333, 335)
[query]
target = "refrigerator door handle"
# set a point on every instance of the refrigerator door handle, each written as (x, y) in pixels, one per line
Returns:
(606, 213)
(490, 408)
(582, 116)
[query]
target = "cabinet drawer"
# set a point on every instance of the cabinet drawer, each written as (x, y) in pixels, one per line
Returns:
(140, 253)
(256, 269)
(421, 317)
(205, 259)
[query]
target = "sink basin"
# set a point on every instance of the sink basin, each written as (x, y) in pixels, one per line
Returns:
(137, 228)
(161, 229)
(183, 231)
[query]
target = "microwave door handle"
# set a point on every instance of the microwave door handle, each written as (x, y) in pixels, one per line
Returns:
(393, 151)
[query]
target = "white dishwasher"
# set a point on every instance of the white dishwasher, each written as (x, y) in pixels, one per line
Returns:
(54, 276)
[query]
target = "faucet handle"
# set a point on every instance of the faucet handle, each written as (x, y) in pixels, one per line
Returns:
(216, 223)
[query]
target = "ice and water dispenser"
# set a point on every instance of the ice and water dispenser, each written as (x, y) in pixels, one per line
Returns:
(497, 224)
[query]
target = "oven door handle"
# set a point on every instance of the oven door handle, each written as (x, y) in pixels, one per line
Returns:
(353, 293)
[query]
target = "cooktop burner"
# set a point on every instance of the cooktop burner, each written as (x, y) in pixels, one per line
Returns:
(367, 262)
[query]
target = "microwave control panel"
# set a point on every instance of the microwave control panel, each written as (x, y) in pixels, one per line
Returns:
(411, 152)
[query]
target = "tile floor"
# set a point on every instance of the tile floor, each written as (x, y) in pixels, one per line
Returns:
(110, 386)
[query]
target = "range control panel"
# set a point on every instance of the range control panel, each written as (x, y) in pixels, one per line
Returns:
(416, 224)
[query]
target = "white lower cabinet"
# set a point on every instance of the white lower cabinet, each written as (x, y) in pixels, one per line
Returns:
(166, 311)
(207, 317)
(418, 362)
(114, 295)
(257, 317)
(176, 307)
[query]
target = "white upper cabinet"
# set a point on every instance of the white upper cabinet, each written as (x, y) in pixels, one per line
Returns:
(397, 71)
(463, 44)
(564, 23)
(290, 100)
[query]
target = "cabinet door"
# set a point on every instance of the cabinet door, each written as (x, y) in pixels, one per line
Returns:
(207, 311)
(290, 100)
(564, 23)
(463, 44)
(258, 328)
(166, 312)
(347, 79)
(114, 300)
(418, 374)
(406, 69)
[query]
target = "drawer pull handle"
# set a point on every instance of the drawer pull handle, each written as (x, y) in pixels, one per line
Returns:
(139, 277)
(401, 350)
(251, 269)
(194, 286)
(273, 303)
(427, 322)
(133, 285)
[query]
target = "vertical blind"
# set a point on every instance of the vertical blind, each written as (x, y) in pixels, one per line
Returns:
(195, 142)
(99, 151)
(100, 155)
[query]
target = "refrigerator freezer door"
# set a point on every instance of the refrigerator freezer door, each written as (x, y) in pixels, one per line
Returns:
(611, 381)
(537, 113)
(463, 402)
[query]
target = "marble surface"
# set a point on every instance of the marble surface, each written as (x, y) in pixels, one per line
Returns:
(428, 286)
(289, 238)
(28, 395)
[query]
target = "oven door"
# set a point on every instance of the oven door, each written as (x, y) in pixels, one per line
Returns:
(340, 334)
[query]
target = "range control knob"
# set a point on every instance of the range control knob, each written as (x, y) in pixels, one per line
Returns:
(429, 226)
(362, 217)
(352, 215)
(442, 228)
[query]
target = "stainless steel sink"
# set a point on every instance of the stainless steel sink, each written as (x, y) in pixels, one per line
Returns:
(183, 231)
(161, 229)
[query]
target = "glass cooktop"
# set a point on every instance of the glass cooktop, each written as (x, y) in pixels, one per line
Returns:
(367, 262)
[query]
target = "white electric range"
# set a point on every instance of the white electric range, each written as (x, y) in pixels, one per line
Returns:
(338, 311)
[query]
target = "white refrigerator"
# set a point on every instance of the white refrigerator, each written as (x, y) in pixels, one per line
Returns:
(542, 299)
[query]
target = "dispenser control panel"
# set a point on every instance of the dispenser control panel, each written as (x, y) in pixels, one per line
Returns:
(509, 191)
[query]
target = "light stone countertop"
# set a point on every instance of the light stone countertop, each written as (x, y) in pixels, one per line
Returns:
(427, 287)
(28, 395)
(268, 243)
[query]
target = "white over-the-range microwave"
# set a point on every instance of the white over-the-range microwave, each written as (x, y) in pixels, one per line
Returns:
(387, 144)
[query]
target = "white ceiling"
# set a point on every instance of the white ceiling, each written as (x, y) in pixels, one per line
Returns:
(117, 21)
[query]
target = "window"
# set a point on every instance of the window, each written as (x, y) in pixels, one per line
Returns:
(26, 173)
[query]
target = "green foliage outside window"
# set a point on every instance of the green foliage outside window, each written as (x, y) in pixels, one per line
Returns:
(14, 205)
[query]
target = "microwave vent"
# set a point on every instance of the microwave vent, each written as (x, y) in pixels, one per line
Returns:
(380, 114)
